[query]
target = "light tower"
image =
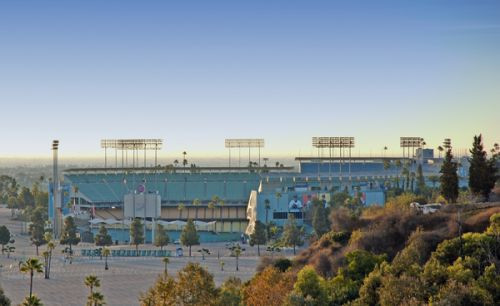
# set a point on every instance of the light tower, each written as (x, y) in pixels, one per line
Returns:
(55, 191)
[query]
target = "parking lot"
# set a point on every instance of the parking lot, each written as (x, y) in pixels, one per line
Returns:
(122, 284)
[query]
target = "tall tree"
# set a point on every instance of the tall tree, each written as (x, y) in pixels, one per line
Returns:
(37, 228)
(236, 251)
(406, 176)
(69, 236)
(440, 149)
(4, 236)
(292, 234)
(482, 172)
(161, 236)
(196, 204)
(25, 198)
(166, 261)
(259, 235)
(211, 206)
(217, 201)
(50, 248)
(420, 179)
(31, 265)
(92, 282)
(398, 165)
(94, 298)
(136, 233)
(267, 206)
(103, 238)
(180, 208)
(320, 218)
(189, 235)
(449, 178)
(195, 286)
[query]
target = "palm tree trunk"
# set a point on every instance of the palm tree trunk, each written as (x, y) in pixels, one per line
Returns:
(50, 264)
(31, 283)
(36, 247)
(258, 249)
(189, 251)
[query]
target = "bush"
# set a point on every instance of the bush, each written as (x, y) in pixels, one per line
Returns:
(282, 264)
(339, 237)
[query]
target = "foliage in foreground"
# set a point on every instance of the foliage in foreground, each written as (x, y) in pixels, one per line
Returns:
(459, 270)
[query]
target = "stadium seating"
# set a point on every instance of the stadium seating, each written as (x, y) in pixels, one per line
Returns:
(106, 190)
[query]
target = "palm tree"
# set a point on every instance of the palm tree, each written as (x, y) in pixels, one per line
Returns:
(31, 265)
(106, 252)
(184, 160)
(176, 163)
(95, 299)
(398, 166)
(166, 262)
(92, 282)
(236, 251)
(211, 205)
(180, 207)
(32, 301)
(278, 196)
(196, 203)
(48, 254)
(440, 149)
(412, 178)
(267, 204)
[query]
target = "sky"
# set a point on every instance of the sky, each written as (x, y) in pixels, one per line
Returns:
(196, 72)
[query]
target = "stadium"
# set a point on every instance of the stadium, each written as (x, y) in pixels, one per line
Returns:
(224, 202)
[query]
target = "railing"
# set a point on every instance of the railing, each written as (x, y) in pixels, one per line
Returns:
(127, 253)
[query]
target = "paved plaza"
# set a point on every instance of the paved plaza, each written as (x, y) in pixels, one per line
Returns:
(121, 284)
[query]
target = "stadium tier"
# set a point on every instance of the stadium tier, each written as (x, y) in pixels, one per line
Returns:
(109, 189)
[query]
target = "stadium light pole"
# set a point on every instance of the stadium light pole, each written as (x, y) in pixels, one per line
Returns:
(243, 143)
(55, 188)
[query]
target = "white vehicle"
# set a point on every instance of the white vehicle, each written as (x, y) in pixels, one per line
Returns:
(426, 208)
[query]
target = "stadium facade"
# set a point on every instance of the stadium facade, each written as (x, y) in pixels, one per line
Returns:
(225, 202)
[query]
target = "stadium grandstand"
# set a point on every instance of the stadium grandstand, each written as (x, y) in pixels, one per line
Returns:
(225, 202)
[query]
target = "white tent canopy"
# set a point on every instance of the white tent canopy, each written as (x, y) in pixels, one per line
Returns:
(169, 225)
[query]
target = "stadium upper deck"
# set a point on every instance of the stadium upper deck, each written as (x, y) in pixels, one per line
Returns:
(109, 188)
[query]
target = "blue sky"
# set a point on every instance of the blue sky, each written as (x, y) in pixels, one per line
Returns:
(196, 72)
